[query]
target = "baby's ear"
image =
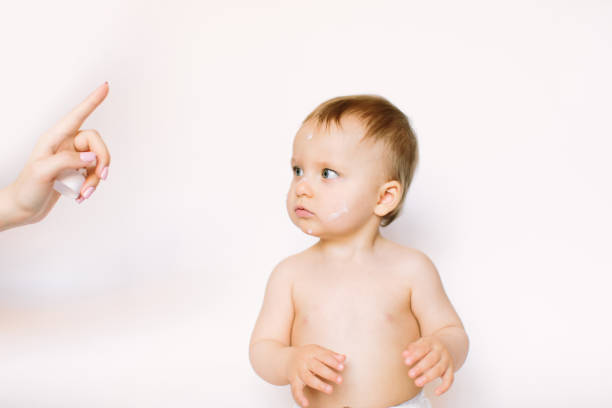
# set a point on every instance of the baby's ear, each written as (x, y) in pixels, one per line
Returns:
(389, 196)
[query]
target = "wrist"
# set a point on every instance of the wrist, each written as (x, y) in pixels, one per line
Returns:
(444, 333)
(286, 358)
(455, 341)
(7, 210)
(10, 214)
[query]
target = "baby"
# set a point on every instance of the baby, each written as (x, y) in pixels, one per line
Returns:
(355, 320)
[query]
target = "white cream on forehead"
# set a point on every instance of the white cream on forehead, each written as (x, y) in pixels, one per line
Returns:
(338, 213)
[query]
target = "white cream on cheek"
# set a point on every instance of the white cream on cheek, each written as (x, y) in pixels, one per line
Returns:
(338, 213)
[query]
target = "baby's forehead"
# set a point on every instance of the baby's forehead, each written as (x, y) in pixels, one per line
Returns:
(339, 140)
(349, 130)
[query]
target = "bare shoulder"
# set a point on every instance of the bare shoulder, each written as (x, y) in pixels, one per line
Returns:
(290, 267)
(410, 262)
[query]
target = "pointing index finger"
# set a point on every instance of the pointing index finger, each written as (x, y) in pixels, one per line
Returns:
(73, 121)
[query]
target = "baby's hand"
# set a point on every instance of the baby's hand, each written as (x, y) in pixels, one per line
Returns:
(308, 362)
(433, 360)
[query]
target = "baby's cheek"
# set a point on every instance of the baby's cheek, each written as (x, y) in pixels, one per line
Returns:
(347, 214)
(337, 213)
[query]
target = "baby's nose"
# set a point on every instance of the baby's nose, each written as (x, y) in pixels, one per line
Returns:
(302, 187)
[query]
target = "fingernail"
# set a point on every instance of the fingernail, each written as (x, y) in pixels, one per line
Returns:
(89, 191)
(339, 380)
(408, 361)
(340, 367)
(80, 200)
(104, 174)
(88, 156)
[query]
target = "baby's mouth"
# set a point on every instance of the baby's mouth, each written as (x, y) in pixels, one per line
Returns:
(303, 212)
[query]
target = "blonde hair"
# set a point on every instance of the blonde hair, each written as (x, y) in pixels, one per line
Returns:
(383, 122)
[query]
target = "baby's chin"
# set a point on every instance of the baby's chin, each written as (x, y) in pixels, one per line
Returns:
(318, 230)
(305, 226)
(310, 231)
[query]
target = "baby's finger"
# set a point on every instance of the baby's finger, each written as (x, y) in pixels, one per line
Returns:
(324, 371)
(314, 382)
(90, 140)
(447, 381)
(330, 360)
(337, 356)
(433, 373)
(425, 364)
(297, 389)
(415, 351)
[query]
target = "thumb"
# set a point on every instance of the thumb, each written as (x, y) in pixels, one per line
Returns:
(49, 168)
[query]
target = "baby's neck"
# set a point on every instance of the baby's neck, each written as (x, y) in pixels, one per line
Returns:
(354, 245)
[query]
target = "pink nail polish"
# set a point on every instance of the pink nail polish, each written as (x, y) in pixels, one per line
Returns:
(80, 200)
(104, 174)
(89, 192)
(88, 156)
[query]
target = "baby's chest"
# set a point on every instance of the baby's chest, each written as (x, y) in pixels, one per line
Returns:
(358, 301)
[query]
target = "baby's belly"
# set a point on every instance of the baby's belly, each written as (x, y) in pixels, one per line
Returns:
(375, 375)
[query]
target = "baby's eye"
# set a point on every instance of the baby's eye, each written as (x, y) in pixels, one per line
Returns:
(298, 171)
(329, 174)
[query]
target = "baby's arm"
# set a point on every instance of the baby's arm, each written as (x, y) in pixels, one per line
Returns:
(269, 349)
(443, 345)
(272, 357)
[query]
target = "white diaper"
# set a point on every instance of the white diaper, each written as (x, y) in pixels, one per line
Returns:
(419, 401)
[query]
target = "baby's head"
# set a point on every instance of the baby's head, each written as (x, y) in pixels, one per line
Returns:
(353, 161)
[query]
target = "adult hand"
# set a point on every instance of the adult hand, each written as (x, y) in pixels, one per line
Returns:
(31, 196)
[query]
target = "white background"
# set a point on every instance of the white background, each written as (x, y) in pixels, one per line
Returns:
(146, 294)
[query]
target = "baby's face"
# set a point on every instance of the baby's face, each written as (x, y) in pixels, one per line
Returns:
(336, 178)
